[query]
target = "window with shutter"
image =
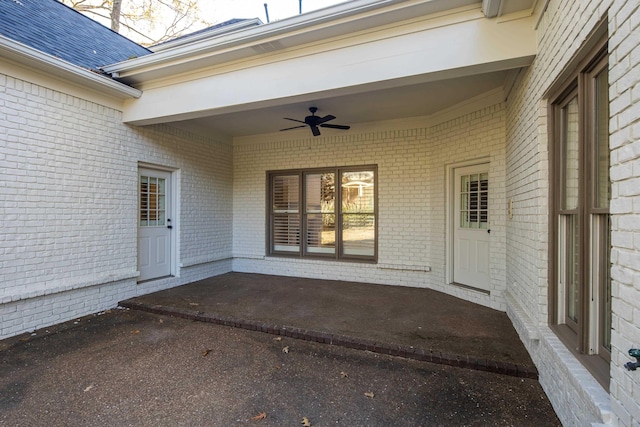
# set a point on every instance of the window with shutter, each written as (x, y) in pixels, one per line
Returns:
(329, 229)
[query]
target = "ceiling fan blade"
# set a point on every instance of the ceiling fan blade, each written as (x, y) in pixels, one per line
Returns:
(295, 120)
(315, 130)
(336, 127)
(325, 119)
(295, 127)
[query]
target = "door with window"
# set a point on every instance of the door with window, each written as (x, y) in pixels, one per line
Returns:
(471, 226)
(154, 224)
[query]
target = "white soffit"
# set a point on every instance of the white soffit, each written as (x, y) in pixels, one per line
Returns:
(362, 61)
(412, 52)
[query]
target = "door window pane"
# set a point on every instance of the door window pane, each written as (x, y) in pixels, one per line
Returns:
(474, 201)
(152, 201)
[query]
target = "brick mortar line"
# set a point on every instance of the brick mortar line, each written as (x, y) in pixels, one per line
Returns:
(407, 352)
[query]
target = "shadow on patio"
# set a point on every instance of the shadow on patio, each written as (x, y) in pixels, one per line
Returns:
(415, 323)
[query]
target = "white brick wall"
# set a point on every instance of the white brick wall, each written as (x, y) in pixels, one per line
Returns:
(624, 94)
(411, 200)
(68, 201)
(68, 197)
(576, 396)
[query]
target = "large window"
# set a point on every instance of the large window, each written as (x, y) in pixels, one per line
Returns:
(329, 212)
(580, 224)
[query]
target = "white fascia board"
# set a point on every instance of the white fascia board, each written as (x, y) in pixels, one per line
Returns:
(60, 68)
(259, 33)
(321, 23)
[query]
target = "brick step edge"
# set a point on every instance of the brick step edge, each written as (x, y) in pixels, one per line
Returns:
(408, 352)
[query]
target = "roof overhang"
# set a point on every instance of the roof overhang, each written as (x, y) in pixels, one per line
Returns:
(359, 51)
(56, 67)
(340, 20)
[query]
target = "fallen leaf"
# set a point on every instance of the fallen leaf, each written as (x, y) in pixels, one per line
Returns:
(88, 388)
(344, 375)
(277, 339)
(306, 422)
(137, 331)
(194, 304)
(278, 367)
(285, 350)
(204, 353)
(260, 416)
(369, 394)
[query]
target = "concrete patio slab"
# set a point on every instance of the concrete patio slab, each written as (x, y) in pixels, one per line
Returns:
(131, 368)
(419, 324)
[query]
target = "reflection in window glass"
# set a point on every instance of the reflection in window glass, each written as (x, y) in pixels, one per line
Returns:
(358, 219)
(321, 219)
(285, 209)
(570, 155)
(572, 267)
(338, 215)
(602, 184)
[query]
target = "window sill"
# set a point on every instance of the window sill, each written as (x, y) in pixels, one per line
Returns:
(322, 258)
(595, 364)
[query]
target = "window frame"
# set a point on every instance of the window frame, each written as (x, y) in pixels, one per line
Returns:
(303, 252)
(585, 337)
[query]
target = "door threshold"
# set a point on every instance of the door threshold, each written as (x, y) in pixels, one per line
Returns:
(471, 288)
(140, 282)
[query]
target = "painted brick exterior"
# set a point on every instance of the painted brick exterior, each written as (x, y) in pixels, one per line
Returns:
(68, 200)
(68, 205)
(624, 95)
(578, 399)
(411, 185)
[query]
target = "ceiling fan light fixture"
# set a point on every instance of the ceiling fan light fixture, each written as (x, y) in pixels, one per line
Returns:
(314, 122)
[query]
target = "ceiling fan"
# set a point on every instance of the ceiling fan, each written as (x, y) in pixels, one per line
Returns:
(314, 122)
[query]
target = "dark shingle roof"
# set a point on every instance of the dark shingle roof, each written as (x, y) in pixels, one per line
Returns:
(53, 28)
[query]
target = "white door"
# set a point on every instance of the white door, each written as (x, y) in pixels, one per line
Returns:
(154, 224)
(471, 226)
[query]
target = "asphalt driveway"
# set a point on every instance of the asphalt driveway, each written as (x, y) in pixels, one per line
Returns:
(128, 368)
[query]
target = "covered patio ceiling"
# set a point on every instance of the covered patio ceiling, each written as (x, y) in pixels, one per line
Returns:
(415, 100)
(364, 61)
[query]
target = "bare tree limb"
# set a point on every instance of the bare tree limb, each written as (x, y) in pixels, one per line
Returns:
(165, 19)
